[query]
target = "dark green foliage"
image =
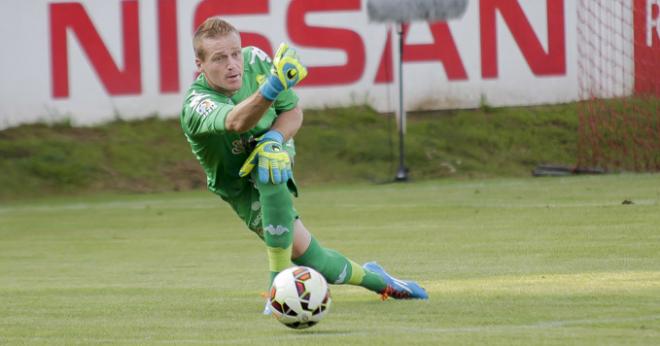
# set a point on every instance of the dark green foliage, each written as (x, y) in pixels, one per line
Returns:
(147, 155)
(502, 142)
(347, 144)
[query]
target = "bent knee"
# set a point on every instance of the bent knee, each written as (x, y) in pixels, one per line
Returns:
(272, 189)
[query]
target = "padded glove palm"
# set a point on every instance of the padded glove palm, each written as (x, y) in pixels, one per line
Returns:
(272, 160)
(287, 71)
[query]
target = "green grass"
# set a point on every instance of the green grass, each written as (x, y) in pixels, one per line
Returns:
(334, 145)
(506, 261)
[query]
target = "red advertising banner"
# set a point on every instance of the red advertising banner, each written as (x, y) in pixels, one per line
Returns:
(647, 47)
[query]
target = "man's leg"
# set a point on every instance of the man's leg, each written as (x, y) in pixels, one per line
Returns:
(279, 226)
(338, 269)
(277, 221)
(335, 267)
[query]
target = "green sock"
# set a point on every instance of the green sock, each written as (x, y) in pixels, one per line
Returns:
(338, 269)
(277, 221)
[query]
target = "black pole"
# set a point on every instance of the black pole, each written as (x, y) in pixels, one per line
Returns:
(402, 172)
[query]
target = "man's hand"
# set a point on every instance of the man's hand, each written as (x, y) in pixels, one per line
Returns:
(287, 66)
(287, 71)
(273, 161)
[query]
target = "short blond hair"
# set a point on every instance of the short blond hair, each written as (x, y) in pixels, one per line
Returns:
(211, 28)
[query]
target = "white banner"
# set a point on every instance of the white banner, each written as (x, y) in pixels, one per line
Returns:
(96, 60)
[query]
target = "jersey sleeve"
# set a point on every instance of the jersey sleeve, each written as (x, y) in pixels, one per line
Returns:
(204, 114)
(261, 64)
(285, 101)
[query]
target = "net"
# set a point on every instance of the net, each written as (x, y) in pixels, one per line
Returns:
(619, 83)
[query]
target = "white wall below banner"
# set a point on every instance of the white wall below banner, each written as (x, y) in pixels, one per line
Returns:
(94, 61)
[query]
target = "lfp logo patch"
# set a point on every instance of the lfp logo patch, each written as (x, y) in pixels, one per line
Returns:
(205, 107)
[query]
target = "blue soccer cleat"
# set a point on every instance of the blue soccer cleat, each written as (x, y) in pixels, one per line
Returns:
(397, 289)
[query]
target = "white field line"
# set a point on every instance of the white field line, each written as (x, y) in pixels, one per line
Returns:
(494, 204)
(199, 204)
(196, 203)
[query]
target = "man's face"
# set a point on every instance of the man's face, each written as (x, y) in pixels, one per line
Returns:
(223, 63)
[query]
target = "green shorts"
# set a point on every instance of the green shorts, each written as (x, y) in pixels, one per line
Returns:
(248, 207)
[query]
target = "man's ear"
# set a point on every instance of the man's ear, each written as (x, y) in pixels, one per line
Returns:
(198, 63)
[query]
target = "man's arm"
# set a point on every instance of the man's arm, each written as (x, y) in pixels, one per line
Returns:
(247, 114)
(274, 162)
(288, 123)
(287, 71)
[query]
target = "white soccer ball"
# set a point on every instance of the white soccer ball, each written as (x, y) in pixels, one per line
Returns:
(299, 297)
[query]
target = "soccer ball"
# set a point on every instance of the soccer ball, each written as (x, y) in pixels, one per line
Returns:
(299, 297)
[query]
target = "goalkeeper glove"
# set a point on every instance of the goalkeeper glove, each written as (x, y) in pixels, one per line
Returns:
(272, 160)
(287, 71)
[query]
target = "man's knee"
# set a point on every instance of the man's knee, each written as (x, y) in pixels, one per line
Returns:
(272, 189)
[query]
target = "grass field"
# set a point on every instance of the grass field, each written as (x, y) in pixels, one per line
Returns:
(505, 261)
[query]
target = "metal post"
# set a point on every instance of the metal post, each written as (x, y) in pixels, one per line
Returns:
(402, 173)
(399, 12)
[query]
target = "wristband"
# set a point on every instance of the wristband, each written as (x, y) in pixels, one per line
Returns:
(271, 88)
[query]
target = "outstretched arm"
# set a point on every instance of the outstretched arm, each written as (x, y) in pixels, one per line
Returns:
(247, 114)
(273, 161)
(287, 71)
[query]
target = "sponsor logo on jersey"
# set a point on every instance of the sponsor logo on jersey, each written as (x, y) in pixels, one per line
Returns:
(237, 147)
(205, 107)
(201, 104)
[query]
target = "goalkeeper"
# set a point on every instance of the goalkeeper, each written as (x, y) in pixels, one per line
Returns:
(240, 116)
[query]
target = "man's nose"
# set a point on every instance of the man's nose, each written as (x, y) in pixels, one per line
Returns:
(233, 64)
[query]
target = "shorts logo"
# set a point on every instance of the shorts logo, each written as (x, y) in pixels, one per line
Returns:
(255, 206)
(279, 230)
(256, 222)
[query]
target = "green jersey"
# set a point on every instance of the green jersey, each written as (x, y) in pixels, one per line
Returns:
(220, 152)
